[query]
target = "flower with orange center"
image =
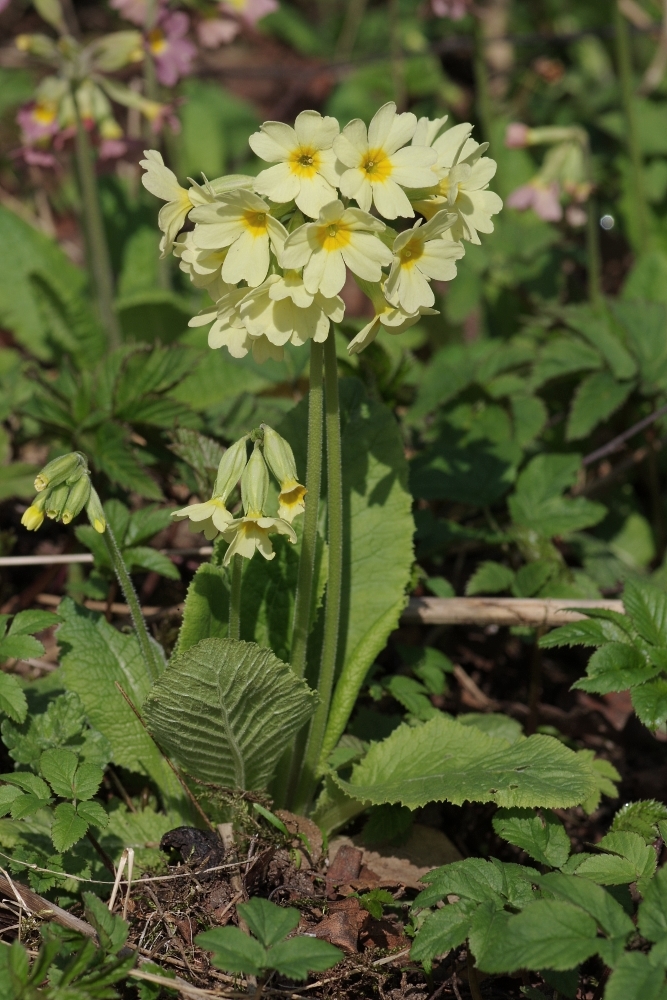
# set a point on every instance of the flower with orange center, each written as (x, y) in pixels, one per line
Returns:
(420, 255)
(305, 163)
(241, 221)
(341, 236)
(378, 168)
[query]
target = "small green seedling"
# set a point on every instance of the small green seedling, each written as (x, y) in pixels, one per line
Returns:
(375, 901)
(236, 952)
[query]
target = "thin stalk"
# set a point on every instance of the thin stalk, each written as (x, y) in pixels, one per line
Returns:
(308, 780)
(98, 250)
(132, 601)
(234, 631)
(289, 769)
(592, 234)
(304, 587)
(354, 15)
(482, 91)
(624, 61)
(473, 981)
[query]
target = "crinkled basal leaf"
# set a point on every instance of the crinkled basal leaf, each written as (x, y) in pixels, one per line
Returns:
(96, 656)
(268, 599)
(548, 934)
(542, 837)
(226, 710)
(444, 761)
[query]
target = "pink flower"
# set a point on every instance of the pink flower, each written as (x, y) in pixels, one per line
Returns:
(516, 136)
(38, 121)
(543, 199)
(112, 149)
(215, 31)
(172, 51)
(250, 11)
(37, 157)
(3, 4)
(131, 10)
(455, 10)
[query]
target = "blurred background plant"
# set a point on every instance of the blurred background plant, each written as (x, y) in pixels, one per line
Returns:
(552, 341)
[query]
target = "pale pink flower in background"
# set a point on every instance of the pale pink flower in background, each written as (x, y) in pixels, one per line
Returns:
(172, 51)
(455, 10)
(38, 121)
(213, 32)
(112, 149)
(250, 11)
(542, 198)
(576, 216)
(516, 136)
(37, 157)
(4, 4)
(132, 10)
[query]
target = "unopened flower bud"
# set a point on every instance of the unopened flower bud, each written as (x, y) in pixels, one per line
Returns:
(34, 516)
(59, 470)
(56, 501)
(77, 499)
(95, 512)
(255, 484)
(280, 459)
(231, 467)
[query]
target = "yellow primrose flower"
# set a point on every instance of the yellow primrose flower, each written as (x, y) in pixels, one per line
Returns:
(420, 256)
(203, 266)
(340, 236)
(378, 168)
(228, 329)
(241, 221)
(162, 182)
(210, 517)
(305, 163)
(463, 176)
(282, 310)
(392, 319)
(33, 517)
(247, 535)
(280, 459)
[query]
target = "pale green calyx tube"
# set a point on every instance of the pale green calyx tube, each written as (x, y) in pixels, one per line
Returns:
(62, 469)
(255, 484)
(95, 512)
(77, 499)
(280, 459)
(231, 467)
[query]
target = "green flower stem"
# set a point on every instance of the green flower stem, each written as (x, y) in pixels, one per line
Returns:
(96, 241)
(304, 588)
(308, 780)
(234, 631)
(130, 594)
(289, 769)
(624, 62)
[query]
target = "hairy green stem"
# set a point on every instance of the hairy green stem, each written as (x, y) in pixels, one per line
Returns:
(132, 601)
(234, 631)
(308, 780)
(304, 587)
(289, 770)
(624, 62)
(96, 241)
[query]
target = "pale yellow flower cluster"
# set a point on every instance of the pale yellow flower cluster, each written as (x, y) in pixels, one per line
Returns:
(274, 251)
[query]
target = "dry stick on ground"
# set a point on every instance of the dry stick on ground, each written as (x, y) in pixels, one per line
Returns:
(41, 907)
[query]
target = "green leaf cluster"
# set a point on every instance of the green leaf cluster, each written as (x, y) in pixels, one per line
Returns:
(269, 948)
(17, 641)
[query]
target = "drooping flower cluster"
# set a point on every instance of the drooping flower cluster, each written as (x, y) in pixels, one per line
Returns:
(250, 532)
(63, 490)
(274, 251)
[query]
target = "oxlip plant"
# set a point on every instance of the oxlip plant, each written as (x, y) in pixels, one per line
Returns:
(313, 555)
